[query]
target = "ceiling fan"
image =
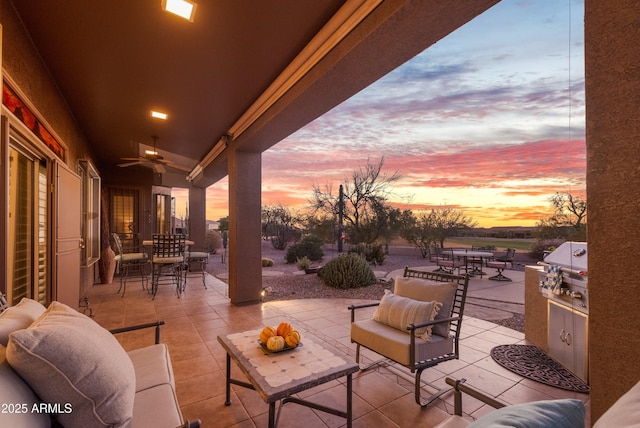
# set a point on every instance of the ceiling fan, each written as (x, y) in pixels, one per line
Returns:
(153, 160)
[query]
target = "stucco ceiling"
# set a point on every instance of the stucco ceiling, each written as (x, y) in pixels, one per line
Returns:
(117, 60)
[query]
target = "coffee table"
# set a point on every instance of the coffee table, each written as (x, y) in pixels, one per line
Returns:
(277, 376)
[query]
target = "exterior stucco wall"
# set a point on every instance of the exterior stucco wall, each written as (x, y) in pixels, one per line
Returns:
(21, 62)
(612, 31)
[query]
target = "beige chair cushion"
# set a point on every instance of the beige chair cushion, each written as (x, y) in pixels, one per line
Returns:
(156, 403)
(18, 400)
(68, 358)
(152, 365)
(394, 344)
(157, 407)
(18, 317)
(429, 291)
(400, 312)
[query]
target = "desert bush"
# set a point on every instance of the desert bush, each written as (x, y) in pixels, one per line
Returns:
(347, 271)
(303, 263)
(266, 262)
(310, 247)
(538, 249)
(372, 253)
(212, 241)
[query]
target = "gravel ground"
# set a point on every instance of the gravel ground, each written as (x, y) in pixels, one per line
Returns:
(284, 281)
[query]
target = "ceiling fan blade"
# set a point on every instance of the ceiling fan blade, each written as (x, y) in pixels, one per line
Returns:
(137, 162)
(158, 168)
(179, 167)
(174, 165)
(133, 159)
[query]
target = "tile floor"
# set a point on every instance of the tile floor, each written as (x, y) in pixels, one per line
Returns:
(383, 397)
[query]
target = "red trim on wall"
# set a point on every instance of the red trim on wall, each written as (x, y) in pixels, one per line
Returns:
(16, 106)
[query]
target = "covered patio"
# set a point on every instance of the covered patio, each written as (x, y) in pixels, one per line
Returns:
(383, 397)
(86, 116)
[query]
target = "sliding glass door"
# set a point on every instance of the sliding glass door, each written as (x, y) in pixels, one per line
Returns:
(28, 227)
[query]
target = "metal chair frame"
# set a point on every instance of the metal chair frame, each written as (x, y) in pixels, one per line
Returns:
(201, 258)
(124, 261)
(455, 321)
(168, 261)
(501, 263)
(448, 263)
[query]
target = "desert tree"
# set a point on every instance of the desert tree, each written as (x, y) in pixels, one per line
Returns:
(435, 226)
(568, 219)
(366, 211)
(280, 225)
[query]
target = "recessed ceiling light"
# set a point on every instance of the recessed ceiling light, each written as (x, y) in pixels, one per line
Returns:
(158, 115)
(183, 8)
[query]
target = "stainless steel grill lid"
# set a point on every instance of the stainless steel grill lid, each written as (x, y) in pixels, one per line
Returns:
(571, 257)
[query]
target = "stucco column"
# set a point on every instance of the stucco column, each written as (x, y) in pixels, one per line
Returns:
(197, 215)
(612, 31)
(245, 245)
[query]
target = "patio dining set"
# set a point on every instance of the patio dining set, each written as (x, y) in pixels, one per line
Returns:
(471, 261)
(171, 257)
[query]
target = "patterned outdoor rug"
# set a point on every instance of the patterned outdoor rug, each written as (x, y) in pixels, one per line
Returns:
(533, 363)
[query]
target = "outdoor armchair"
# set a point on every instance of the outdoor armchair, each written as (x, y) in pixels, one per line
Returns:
(417, 325)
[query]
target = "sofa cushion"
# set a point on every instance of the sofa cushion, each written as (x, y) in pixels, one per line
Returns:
(566, 413)
(428, 291)
(400, 312)
(68, 358)
(157, 407)
(152, 365)
(18, 317)
(18, 400)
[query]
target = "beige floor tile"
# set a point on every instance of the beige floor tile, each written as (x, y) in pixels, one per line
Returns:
(382, 397)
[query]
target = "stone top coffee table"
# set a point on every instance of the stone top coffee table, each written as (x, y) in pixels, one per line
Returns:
(278, 375)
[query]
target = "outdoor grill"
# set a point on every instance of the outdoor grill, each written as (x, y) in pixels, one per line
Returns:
(564, 283)
(564, 279)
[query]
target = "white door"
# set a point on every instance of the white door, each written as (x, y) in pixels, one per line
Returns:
(68, 239)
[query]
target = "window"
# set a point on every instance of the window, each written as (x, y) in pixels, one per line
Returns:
(124, 216)
(90, 181)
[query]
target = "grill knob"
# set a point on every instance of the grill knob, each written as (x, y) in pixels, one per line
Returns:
(576, 295)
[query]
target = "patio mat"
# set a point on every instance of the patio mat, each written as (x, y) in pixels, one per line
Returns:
(533, 363)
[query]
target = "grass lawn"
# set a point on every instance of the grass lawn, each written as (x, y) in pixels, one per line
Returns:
(500, 244)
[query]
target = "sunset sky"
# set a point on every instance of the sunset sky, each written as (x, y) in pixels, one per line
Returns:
(489, 120)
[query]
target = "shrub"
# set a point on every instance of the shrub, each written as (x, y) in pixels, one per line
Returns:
(303, 263)
(538, 249)
(309, 247)
(212, 241)
(267, 262)
(348, 271)
(373, 253)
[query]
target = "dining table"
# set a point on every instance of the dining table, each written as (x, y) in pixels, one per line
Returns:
(474, 257)
(149, 243)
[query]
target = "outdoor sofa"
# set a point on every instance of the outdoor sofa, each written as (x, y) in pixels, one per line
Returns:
(58, 367)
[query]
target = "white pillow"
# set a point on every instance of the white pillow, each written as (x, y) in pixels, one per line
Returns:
(400, 312)
(18, 317)
(66, 357)
(18, 400)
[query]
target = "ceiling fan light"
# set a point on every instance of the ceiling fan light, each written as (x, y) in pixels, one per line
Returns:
(151, 152)
(183, 8)
(158, 115)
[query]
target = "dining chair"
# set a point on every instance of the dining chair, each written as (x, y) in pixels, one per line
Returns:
(448, 263)
(501, 263)
(200, 259)
(128, 260)
(168, 262)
